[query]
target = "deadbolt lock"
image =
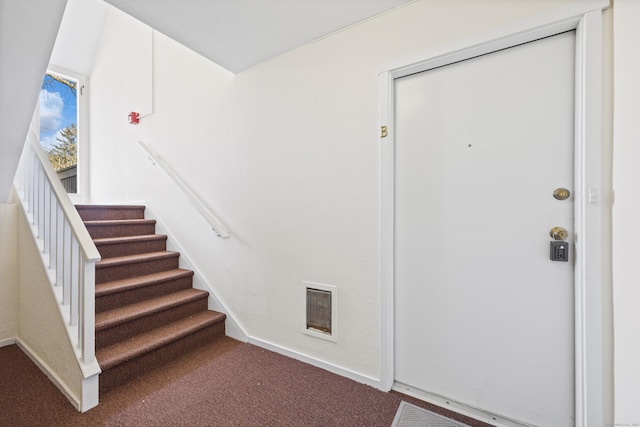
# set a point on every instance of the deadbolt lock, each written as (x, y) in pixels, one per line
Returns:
(561, 193)
(558, 233)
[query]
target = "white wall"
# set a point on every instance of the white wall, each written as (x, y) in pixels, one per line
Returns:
(285, 153)
(27, 33)
(79, 35)
(626, 211)
(9, 275)
(41, 331)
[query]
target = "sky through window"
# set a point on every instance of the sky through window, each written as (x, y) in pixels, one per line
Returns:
(58, 110)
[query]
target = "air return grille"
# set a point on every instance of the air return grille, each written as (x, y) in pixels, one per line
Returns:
(319, 310)
(320, 317)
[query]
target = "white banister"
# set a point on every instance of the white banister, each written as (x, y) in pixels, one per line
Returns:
(217, 226)
(67, 250)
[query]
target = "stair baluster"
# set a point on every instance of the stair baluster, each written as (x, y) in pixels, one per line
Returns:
(68, 254)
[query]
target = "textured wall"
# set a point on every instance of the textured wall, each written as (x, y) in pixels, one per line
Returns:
(40, 325)
(286, 153)
(9, 269)
(626, 229)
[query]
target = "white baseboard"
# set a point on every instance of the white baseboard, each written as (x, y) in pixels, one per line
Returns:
(338, 370)
(42, 365)
(8, 341)
(233, 327)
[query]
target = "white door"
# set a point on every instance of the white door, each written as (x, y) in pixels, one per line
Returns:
(482, 315)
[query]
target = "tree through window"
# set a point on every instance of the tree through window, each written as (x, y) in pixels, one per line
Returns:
(59, 126)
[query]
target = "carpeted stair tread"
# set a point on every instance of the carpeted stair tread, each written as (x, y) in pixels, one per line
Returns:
(111, 247)
(133, 259)
(123, 285)
(109, 222)
(147, 312)
(129, 239)
(101, 212)
(121, 315)
(133, 289)
(118, 228)
(121, 352)
(118, 268)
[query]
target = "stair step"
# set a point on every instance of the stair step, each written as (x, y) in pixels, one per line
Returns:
(120, 227)
(118, 293)
(110, 212)
(121, 352)
(124, 267)
(128, 321)
(147, 312)
(111, 247)
(125, 361)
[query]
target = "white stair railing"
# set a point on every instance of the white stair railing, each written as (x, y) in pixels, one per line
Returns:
(220, 229)
(67, 250)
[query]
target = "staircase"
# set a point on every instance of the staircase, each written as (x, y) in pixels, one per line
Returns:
(147, 311)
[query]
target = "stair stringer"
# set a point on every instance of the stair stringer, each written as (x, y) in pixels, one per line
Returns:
(233, 327)
(42, 334)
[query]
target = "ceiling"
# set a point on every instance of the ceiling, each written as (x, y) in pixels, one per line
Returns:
(238, 34)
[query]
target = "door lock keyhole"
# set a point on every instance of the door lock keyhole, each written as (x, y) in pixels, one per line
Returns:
(561, 194)
(558, 233)
(559, 245)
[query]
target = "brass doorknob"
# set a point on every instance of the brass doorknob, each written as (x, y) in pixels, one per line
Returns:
(561, 193)
(558, 233)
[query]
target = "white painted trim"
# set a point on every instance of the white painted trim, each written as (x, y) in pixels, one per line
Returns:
(50, 373)
(387, 222)
(90, 392)
(588, 212)
(338, 370)
(233, 327)
(333, 336)
(543, 24)
(87, 247)
(585, 18)
(460, 408)
(82, 99)
(8, 341)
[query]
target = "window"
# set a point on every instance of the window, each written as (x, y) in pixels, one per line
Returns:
(59, 125)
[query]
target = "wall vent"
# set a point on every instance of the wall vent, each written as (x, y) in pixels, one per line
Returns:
(319, 310)
(320, 302)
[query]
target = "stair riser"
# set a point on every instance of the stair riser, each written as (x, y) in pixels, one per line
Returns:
(125, 271)
(121, 374)
(111, 301)
(113, 250)
(93, 213)
(100, 231)
(135, 327)
(123, 350)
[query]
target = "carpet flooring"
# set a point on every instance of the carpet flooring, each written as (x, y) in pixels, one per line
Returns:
(225, 383)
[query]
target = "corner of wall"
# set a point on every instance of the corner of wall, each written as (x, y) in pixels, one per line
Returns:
(9, 276)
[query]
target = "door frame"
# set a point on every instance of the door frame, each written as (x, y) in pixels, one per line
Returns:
(585, 17)
(82, 103)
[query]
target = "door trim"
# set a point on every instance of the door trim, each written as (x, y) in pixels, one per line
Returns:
(585, 17)
(82, 100)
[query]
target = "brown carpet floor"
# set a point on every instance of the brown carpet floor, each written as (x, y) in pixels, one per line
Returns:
(225, 383)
